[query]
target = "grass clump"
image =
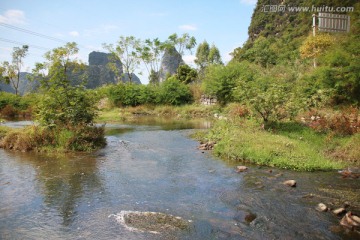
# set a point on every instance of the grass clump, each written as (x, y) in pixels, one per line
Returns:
(37, 138)
(183, 112)
(246, 140)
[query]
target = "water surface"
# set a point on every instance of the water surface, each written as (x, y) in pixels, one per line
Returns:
(156, 167)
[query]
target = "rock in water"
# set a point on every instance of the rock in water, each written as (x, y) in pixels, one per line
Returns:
(339, 211)
(290, 183)
(241, 169)
(321, 207)
(350, 221)
(153, 222)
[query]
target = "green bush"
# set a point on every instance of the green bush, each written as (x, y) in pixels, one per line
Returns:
(9, 99)
(173, 92)
(170, 92)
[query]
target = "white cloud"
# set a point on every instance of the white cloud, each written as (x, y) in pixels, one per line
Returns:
(248, 2)
(189, 59)
(74, 33)
(13, 17)
(188, 27)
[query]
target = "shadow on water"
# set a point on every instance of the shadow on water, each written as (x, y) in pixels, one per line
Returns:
(168, 123)
(63, 180)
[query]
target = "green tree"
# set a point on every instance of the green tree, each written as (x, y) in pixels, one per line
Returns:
(11, 72)
(315, 46)
(126, 51)
(181, 43)
(150, 53)
(206, 55)
(186, 74)
(220, 81)
(202, 55)
(173, 92)
(63, 105)
(214, 55)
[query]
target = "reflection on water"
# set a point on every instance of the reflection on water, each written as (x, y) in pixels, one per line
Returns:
(145, 168)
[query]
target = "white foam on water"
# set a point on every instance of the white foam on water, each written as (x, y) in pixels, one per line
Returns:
(120, 218)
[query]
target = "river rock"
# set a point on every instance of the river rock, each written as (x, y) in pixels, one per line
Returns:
(290, 183)
(241, 169)
(250, 217)
(350, 221)
(321, 207)
(153, 222)
(207, 146)
(339, 211)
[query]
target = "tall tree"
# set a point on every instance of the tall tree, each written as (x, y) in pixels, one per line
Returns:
(126, 51)
(63, 105)
(11, 72)
(214, 55)
(182, 43)
(206, 56)
(202, 55)
(150, 53)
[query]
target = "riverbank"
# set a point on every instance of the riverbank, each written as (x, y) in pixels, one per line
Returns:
(288, 145)
(181, 112)
(241, 138)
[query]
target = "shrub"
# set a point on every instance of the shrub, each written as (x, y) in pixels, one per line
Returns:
(9, 99)
(173, 92)
(344, 122)
(9, 112)
(86, 138)
(237, 110)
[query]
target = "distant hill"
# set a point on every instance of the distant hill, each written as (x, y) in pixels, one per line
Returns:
(170, 62)
(97, 74)
(25, 85)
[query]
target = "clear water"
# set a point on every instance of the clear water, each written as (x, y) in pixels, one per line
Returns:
(156, 167)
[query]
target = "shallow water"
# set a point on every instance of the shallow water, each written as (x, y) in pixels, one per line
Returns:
(154, 166)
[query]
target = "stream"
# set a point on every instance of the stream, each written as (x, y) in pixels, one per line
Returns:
(154, 166)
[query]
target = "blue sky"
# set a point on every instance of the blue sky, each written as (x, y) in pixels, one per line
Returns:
(90, 23)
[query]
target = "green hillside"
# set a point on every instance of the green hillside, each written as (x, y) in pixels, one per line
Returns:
(281, 32)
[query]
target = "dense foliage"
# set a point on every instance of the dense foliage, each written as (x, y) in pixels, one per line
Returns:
(170, 92)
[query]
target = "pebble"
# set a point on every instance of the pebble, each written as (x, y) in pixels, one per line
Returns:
(290, 183)
(241, 169)
(339, 211)
(350, 221)
(321, 207)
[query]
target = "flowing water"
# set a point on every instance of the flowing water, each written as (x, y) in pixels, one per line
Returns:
(156, 167)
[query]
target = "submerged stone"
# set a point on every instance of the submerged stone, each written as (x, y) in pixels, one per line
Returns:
(339, 211)
(350, 221)
(290, 183)
(321, 207)
(241, 169)
(154, 222)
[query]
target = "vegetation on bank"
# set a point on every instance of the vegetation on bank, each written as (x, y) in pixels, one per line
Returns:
(183, 112)
(277, 108)
(65, 112)
(43, 139)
